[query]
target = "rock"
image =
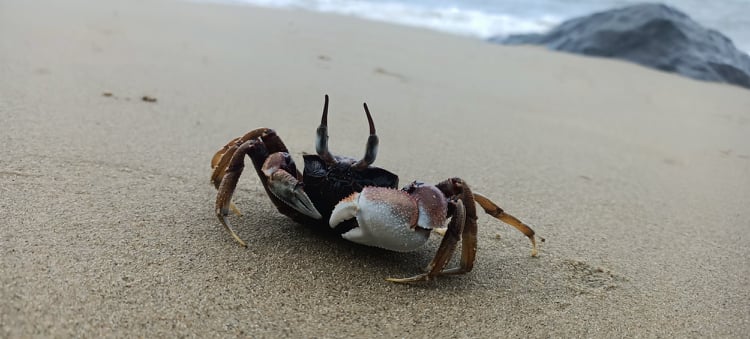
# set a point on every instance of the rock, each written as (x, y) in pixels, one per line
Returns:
(652, 35)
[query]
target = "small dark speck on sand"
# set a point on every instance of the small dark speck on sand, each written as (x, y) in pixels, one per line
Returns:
(147, 98)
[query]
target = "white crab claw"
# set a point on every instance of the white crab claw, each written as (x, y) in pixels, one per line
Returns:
(387, 218)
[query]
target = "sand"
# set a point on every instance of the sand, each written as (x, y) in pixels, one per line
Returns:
(639, 180)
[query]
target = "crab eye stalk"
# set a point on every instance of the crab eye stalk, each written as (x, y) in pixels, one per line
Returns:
(321, 138)
(372, 145)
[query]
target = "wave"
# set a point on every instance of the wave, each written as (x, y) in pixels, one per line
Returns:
(449, 19)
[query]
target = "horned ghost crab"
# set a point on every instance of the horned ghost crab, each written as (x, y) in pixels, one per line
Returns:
(357, 200)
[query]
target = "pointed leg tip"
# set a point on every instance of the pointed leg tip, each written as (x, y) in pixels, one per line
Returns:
(222, 214)
(534, 251)
(239, 241)
(414, 279)
(396, 280)
(235, 210)
(440, 231)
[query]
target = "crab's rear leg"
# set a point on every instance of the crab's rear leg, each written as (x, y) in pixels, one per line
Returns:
(494, 210)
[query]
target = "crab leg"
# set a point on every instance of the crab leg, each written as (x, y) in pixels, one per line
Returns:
(220, 160)
(468, 248)
(459, 189)
(494, 210)
(446, 249)
(215, 160)
(277, 173)
(221, 167)
(456, 188)
(229, 183)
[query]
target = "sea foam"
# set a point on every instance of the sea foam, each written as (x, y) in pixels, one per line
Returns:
(449, 19)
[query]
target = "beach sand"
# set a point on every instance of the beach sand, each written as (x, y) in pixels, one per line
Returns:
(639, 180)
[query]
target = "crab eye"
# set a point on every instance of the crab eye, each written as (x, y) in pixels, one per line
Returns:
(412, 186)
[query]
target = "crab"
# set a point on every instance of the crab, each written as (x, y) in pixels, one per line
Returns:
(358, 201)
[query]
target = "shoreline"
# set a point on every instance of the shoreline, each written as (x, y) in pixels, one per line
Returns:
(479, 22)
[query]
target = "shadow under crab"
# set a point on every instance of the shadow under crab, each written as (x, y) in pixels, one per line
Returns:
(359, 201)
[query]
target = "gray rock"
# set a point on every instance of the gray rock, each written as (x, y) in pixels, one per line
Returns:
(652, 35)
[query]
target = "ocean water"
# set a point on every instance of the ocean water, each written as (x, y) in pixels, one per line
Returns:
(486, 18)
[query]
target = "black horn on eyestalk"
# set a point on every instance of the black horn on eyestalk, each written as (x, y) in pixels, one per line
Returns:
(372, 145)
(321, 138)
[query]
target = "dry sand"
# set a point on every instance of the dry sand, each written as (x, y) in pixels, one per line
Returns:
(639, 180)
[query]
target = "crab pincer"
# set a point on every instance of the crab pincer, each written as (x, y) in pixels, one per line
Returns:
(401, 220)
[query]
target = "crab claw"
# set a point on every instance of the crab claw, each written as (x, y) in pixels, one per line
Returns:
(387, 218)
(346, 209)
(286, 187)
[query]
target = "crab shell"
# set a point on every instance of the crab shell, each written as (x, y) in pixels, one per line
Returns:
(392, 219)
